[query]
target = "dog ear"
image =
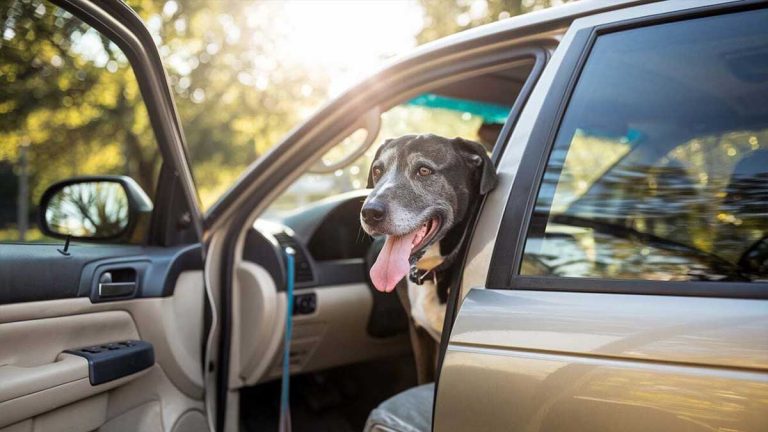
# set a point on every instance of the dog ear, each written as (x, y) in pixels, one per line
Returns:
(376, 156)
(476, 156)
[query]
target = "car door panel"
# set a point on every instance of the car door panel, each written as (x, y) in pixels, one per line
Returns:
(574, 361)
(38, 377)
(633, 327)
(56, 300)
(46, 274)
(53, 304)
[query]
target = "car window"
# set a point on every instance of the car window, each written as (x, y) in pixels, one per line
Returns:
(427, 113)
(69, 106)
(660, 168)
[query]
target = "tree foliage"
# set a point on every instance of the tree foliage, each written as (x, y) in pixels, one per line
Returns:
(69, 97)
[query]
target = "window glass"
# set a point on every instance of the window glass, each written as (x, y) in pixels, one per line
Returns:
(69, 106)
(660, 168)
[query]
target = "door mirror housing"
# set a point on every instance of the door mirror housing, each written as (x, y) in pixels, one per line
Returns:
(95, 208)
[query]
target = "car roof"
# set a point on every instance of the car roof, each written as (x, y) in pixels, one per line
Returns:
(553, 18)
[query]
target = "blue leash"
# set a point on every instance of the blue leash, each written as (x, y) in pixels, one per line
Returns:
(285, 407)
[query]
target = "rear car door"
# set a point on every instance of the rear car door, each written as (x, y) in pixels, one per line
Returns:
(628, 281)
(101, 262)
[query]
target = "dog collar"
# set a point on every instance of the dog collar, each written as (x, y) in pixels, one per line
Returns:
(425, 268)
(418, 275)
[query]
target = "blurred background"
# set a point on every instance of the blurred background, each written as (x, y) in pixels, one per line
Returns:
(243, 73)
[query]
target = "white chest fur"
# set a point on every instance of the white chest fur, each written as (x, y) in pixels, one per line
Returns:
(426, 309)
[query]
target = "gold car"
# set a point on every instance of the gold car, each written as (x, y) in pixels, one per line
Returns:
(615, 280)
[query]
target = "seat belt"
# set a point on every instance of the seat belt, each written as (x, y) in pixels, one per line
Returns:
(285, 406)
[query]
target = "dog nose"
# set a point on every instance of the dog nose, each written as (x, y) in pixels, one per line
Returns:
(373, 211)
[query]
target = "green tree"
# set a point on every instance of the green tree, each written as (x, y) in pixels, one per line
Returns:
(68, 95)
(236, 92)
(69, 100)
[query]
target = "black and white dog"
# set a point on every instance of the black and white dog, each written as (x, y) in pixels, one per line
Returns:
(423, 188)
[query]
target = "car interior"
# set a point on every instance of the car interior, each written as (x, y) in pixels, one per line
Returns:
(350, 349)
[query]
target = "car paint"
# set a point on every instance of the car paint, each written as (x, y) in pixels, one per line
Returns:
(566, 361)
(573, 361)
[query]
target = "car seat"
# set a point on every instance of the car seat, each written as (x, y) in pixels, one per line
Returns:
(409, 411)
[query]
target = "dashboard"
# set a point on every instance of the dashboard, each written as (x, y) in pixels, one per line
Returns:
(330, 244)
(339, 318)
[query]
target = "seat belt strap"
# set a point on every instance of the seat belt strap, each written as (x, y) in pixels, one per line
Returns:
(285, 406)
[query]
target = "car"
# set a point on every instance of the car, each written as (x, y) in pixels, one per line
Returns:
(615, 279)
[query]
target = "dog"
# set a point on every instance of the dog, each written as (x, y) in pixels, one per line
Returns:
(423, 187)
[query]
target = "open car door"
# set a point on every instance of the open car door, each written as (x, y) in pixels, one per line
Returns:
(101, 263)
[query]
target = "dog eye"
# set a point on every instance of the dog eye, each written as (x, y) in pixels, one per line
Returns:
(423, 171)
(376, 173)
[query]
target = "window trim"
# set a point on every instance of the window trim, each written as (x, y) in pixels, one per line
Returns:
(541, 57)
(504, 268)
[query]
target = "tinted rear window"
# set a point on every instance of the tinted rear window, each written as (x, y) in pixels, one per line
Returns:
(660, 168)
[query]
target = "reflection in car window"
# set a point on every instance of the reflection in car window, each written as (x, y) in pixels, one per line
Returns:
(660, 168)
(69, 106)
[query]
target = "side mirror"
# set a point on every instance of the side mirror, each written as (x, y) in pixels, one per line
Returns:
(94, 208)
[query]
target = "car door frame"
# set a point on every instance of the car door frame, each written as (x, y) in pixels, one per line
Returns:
(178, 222)
(503, 272)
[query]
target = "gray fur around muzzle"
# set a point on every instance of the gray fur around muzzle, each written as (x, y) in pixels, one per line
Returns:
(422, 188)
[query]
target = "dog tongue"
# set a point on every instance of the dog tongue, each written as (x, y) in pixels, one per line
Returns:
(392, 263)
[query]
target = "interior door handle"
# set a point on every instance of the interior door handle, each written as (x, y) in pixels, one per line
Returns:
(116, 289)
(119, 288)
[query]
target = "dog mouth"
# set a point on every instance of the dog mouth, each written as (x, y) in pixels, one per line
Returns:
(425, 234)
(393, 262)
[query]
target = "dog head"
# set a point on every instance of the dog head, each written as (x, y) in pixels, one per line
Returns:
(422, 187)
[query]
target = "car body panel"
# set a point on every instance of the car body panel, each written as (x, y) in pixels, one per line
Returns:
(572, 362)
(712, 332)
(537, 360)
(504, 389)
(565, 361)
